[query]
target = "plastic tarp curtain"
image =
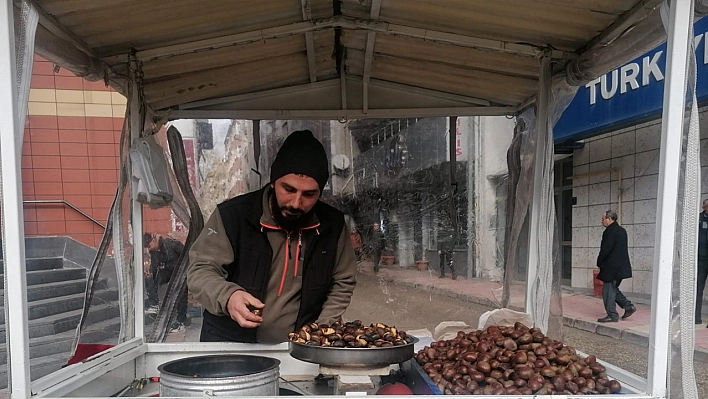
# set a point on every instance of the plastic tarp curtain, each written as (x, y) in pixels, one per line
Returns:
(681, 377)
(177, 285)
(520, 161)
(642, 36)
(639, 36)
(26, 19)
(108, 318)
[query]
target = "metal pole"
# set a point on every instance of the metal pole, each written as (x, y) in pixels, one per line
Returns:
(17, 331)
(669, 163)
(542, 106)
(137, 219)
(452, 147)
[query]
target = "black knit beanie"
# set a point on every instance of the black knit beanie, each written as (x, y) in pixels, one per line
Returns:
(303, 154)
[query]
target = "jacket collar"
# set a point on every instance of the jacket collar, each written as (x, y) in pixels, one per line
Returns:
(266, 215)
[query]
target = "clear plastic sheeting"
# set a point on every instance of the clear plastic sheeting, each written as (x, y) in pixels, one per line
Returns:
(173, 303)
(520, 160)
(397, 173)
(107, 316)
(25, 21)
(681, 378)
(628, 39)
(546, 285)
(637, 38)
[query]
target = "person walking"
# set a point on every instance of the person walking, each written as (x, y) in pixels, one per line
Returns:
(613, 261)
(702, 260)
(446, 244)
(376, 244)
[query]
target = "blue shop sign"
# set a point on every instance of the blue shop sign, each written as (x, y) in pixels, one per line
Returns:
(628, 95)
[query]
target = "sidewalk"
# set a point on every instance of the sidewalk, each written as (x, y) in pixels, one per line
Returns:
(579, 310)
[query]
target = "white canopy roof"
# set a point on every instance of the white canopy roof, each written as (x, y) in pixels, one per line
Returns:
(325, 59)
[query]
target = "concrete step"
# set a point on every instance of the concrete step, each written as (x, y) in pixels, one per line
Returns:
(57, 289)
(104, 332)
(55, 324)
(34, 264)
(49, 354)
(45, 346)
(39, 367)
(51, 276)
(61, 304)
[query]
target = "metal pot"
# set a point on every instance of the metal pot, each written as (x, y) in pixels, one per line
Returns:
(220, 375)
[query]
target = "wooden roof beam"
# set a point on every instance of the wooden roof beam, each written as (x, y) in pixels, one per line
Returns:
(369, 55)
(336, 114)
(427, 92)
(309, 41)
(323, 84)
(527, 50)
(52, 25)
(261, 94)
(229, 40)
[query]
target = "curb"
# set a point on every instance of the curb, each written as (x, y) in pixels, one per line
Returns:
(627, 335)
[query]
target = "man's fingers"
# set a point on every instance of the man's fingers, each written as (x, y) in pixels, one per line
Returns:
(239, 311)
(238, 318)
(251, 300)
(247, 315)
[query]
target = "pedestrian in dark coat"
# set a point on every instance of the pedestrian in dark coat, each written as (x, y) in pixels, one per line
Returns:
(614, 265)
(702, 260)
(446, 245)
(376, 244)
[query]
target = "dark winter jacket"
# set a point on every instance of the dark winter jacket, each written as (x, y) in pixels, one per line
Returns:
(703, 236)
(301, 277)
(613, 259)
(446, 240)
(163, 260)
(376, 240)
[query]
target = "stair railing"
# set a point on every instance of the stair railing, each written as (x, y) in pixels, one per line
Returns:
(70, 205)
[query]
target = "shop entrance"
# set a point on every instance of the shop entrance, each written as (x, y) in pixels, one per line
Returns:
(563, 195)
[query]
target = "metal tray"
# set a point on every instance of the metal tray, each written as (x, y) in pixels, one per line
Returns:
(329, 356)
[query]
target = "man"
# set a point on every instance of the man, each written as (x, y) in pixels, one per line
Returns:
(446, 244)
(377, 245)
(270, 261)
(702, 259)
(614, 265)
(161, 261)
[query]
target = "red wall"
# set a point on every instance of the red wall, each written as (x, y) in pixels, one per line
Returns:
(70, 152)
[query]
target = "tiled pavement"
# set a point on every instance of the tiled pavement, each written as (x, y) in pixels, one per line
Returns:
(579, 310)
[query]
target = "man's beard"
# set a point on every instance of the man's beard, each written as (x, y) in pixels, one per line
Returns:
(295, 221)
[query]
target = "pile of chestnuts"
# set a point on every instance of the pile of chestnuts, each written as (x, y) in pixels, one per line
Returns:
(350, 335)
(512, 361)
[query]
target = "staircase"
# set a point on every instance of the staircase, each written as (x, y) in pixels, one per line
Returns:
(56, 281)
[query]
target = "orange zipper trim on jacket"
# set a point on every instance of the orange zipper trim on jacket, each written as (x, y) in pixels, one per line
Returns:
(297, 251)
(285, 267)
(287, 250)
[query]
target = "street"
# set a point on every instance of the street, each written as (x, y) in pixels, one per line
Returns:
(376, 300)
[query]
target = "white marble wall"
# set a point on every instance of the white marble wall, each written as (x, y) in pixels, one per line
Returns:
(634, 151)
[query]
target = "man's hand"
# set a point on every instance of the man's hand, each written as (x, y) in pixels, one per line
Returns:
(439, 252)
(238, 305)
